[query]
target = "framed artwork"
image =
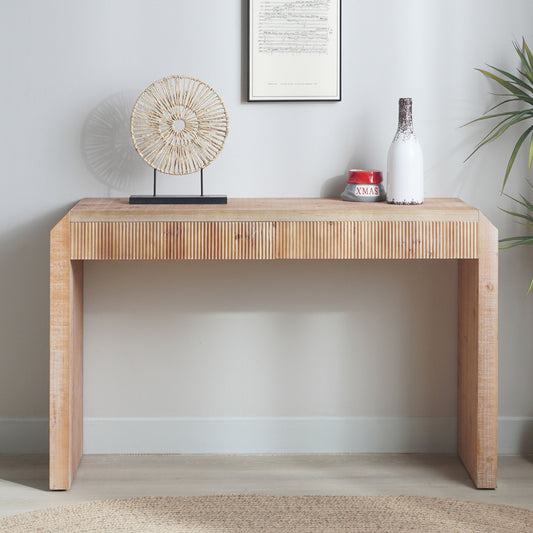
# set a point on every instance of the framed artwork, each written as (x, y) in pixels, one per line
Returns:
(294, 50)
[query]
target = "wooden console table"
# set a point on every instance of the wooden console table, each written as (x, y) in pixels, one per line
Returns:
(270, 229)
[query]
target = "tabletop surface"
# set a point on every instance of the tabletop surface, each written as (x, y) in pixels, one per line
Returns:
(274, 209)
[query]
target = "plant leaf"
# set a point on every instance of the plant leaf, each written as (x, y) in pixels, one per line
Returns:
(528, 75)
(514, 199)
(530, 287)
(504, 83)
(527, 203)
(524, 58)
(527, 52)
(519, 215)
(519, 241)
(500, 131)
(517, 80)
(515, 152)
(506, 113)
(530, 152)
(514, 87)
(515, 244)
(524, 202)
(489, 138)
(526, 67)
(510, 239)
(501, 103)
(491, 132)
(483, 140)
(508, 85)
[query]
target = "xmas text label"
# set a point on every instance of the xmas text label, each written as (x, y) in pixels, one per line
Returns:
(367, 190)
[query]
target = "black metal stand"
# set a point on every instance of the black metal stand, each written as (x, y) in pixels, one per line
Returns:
(166, 199)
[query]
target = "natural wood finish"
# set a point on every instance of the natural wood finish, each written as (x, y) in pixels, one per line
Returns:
(66, 358)
(277, 228)
(273, 240)
(477, 349)
(274, 210)
(260, 229)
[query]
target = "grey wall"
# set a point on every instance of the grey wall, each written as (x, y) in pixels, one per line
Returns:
(283, 356)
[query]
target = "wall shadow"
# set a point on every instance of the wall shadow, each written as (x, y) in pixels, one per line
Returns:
(24, 314)
(333, 187)
(106, 144)
(526, 442)
(30, 470)
(244, 50)
(284, 325)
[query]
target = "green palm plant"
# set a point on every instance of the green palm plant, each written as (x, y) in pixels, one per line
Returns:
(526, 219)
(516, 90)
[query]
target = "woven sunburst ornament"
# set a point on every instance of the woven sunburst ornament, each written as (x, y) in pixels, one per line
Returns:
(179, 125)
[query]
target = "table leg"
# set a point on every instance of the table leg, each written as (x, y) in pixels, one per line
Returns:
(66, 358)
(477, 403)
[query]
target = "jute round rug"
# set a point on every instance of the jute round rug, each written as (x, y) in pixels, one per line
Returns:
(290, 514)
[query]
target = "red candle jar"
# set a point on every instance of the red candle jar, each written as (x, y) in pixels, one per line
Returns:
(364, 186)
(365, 176)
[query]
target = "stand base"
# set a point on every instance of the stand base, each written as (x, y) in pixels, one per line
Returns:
(162, 199)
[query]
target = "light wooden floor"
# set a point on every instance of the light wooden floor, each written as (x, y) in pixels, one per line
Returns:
(24, 478)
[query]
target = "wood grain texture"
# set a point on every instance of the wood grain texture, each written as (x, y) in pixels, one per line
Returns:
(477, 348)
(76, 377)
(262, 229)
(66, 365)
(273, 240)
(274, 229)
(274, 210)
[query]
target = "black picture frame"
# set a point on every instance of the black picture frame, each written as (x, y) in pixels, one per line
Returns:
(294, 51)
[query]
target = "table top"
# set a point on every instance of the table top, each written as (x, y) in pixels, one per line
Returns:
(274, 209)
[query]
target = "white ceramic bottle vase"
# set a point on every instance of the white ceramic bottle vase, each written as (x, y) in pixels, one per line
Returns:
(405, 166)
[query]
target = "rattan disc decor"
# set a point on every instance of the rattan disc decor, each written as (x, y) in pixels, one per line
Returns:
(179, 125)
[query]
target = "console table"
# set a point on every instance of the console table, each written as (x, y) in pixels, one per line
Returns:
(272, 229)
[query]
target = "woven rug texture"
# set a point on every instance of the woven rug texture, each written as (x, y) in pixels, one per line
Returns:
(290, 514)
